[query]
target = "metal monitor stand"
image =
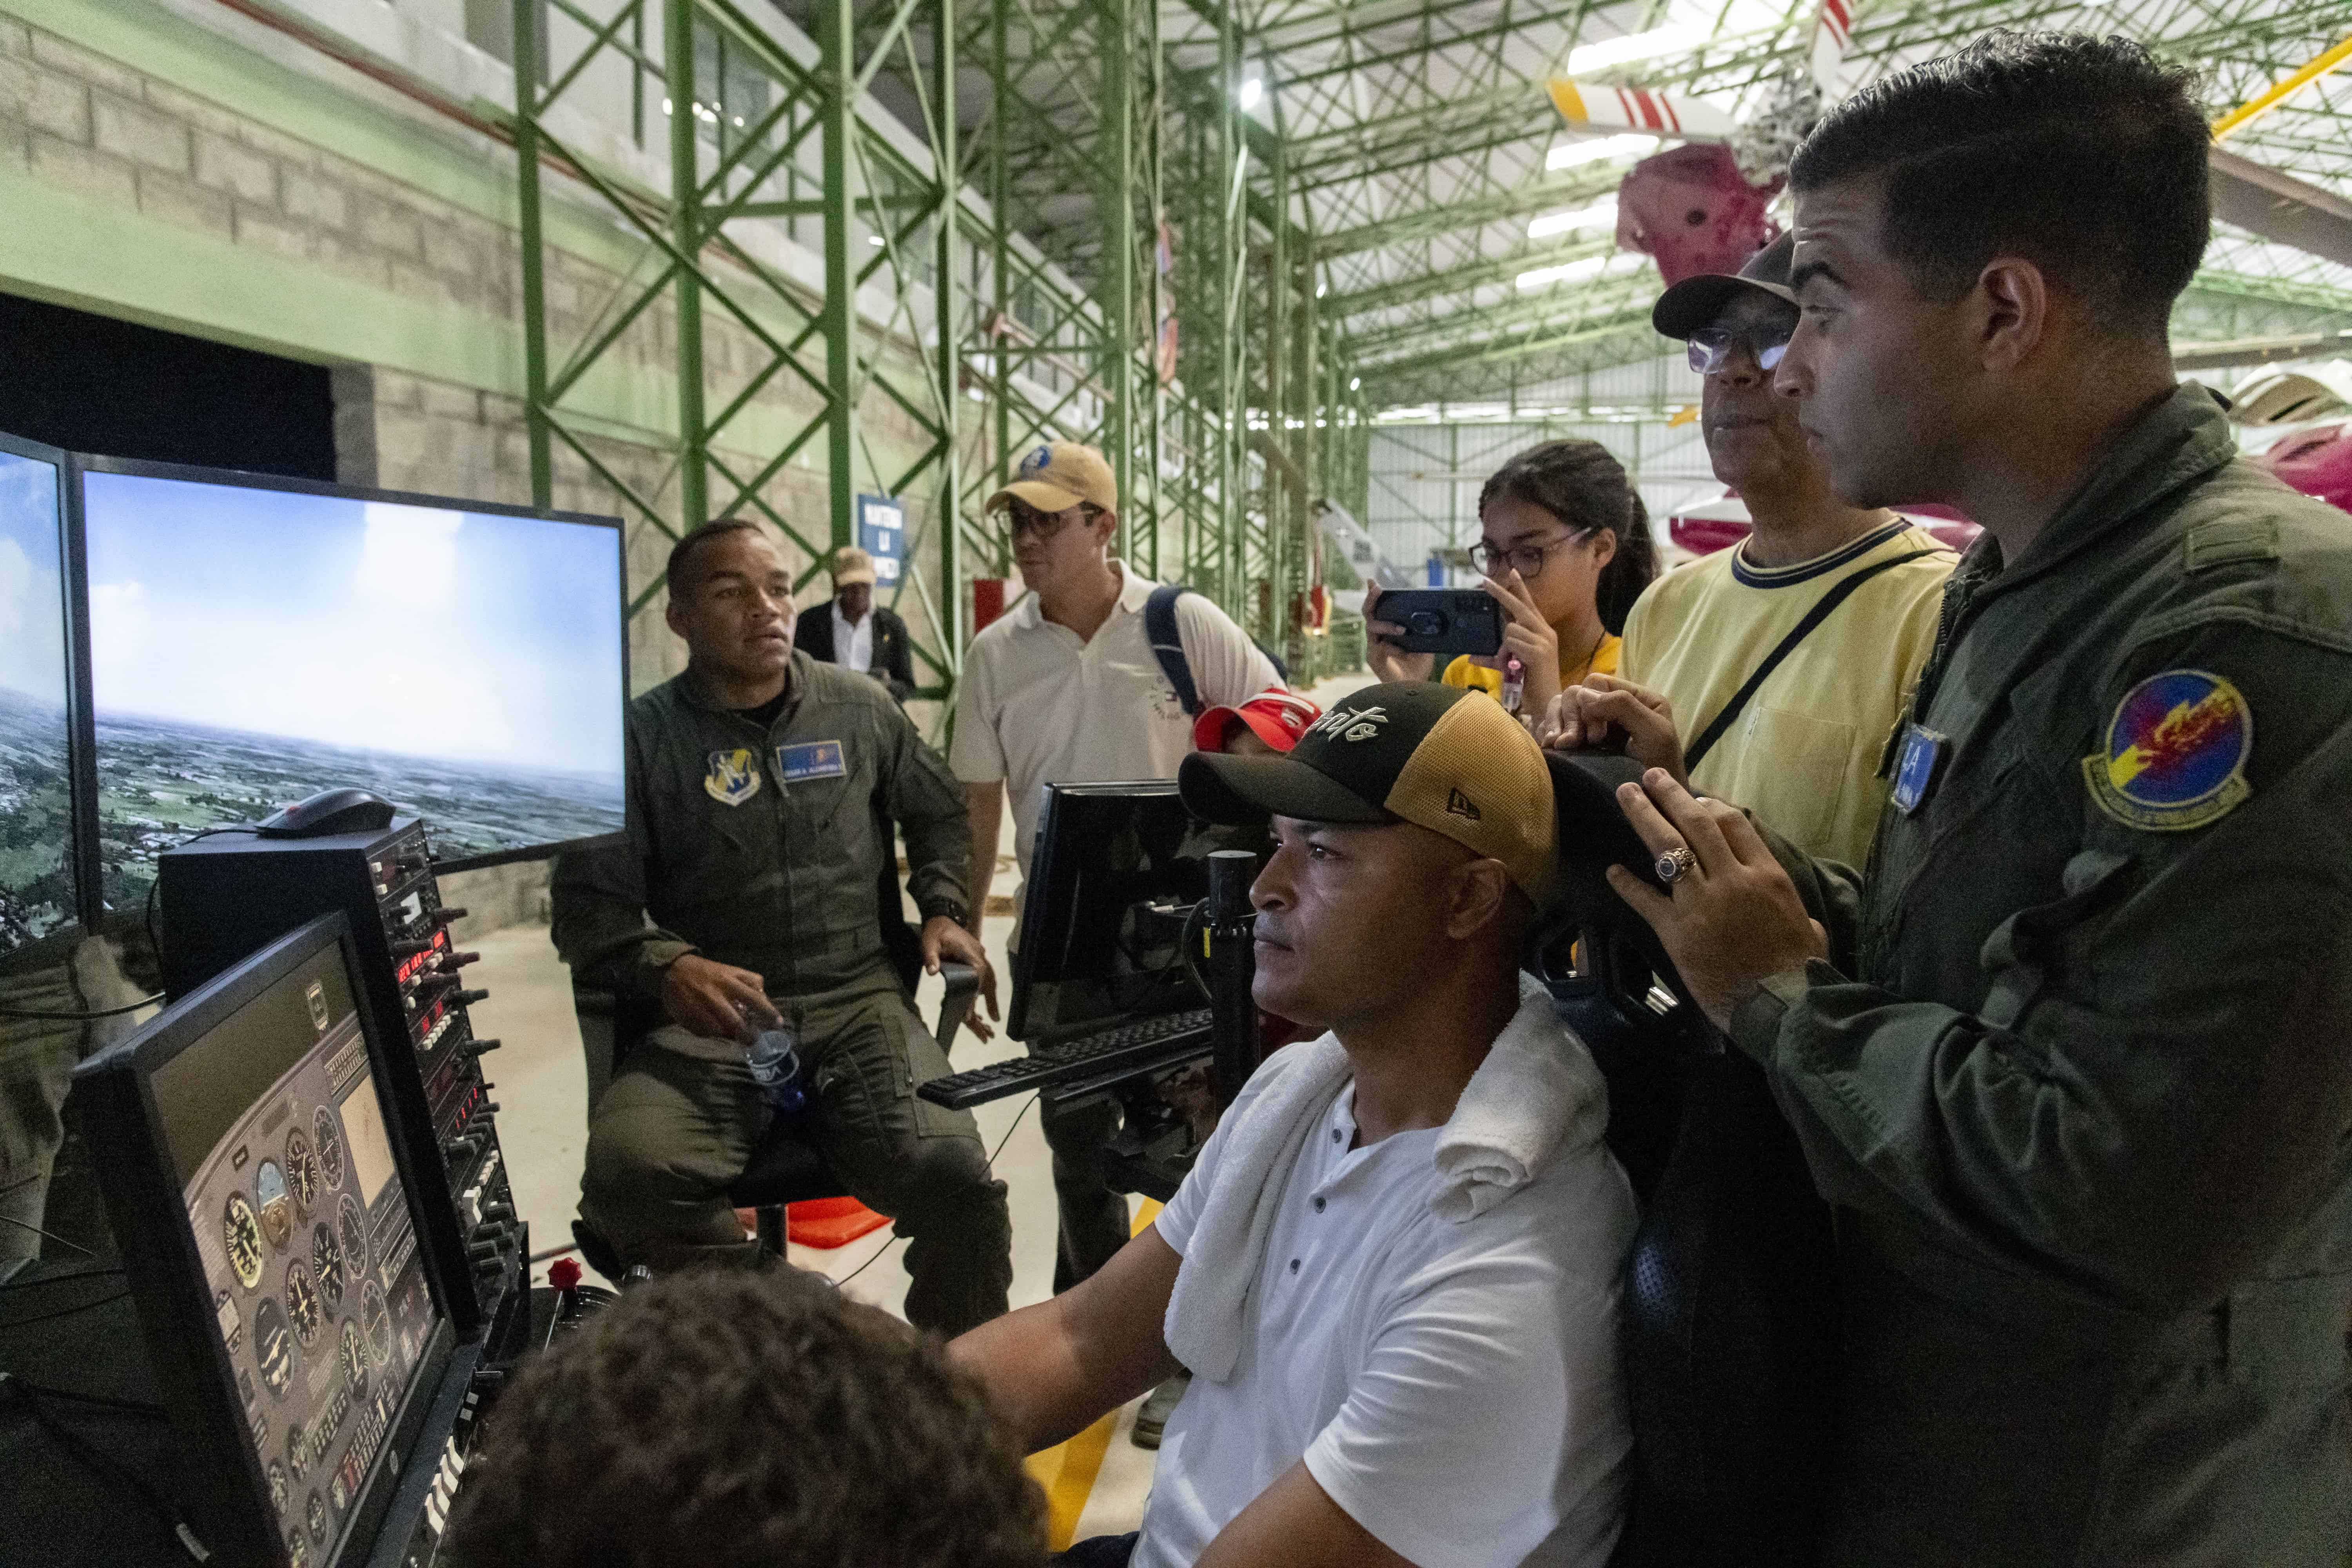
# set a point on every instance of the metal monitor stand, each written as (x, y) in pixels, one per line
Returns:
(1232, 965)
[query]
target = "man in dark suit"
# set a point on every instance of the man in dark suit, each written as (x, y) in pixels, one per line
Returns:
(855, 632)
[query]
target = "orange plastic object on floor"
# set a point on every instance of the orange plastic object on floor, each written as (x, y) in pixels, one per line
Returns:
(830, 1222)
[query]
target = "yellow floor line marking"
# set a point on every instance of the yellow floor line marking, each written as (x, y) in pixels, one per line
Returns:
(1075, 1464)
(1067, 1470)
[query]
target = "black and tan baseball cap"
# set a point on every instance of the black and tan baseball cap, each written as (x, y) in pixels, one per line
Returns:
(1058, 476)
(1696, 301)
(1442, 757)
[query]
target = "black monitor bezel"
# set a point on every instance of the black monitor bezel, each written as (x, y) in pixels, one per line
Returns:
(147, 1204)
(240, 479)
(1045, 868)
(81, 759)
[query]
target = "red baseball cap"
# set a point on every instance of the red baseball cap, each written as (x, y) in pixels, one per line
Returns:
(1274, 716)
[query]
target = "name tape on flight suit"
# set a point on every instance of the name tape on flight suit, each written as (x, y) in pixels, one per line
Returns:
(812, 759)
(1917, 761)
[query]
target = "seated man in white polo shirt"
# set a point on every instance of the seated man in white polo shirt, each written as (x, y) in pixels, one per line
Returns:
(1403, 1341)
(1064, 689)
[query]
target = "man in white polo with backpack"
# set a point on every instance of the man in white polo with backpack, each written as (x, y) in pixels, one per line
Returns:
(1067, 687)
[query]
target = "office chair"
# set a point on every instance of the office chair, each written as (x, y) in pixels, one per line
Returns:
(1731, 1348)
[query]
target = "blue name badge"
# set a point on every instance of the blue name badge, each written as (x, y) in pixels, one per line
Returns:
(812, 759)
(1916, 767)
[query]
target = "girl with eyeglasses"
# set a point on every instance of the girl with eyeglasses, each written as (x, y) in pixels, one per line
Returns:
(1565, 547)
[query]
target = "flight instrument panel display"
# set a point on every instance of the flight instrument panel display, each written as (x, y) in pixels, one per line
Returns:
(311, 1255)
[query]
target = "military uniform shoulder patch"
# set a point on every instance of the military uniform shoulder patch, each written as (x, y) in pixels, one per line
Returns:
(733, 778)
(2176, 754)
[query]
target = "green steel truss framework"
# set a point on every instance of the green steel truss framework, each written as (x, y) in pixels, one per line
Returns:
(906, 241)
(919, 238)
(1418, 133)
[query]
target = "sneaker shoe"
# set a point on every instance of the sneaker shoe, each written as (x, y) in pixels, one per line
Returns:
(1151, 1420)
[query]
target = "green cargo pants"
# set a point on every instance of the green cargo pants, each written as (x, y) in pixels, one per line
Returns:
(683, 1116)
(36, 1062)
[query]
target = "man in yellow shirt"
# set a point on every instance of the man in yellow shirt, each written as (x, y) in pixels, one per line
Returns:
(1801, 747)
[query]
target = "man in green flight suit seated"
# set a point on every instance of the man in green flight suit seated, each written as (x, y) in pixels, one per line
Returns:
(749, 894)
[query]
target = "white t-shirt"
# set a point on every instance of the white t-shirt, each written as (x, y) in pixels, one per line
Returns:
(1036, 706)
(852, 646)
(1453, 1387)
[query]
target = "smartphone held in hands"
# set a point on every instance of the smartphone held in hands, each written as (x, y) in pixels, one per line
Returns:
(1444, 620)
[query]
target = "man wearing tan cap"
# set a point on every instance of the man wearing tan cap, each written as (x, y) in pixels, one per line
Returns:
(1403, 1346)
(858, 634)
(1064, 689)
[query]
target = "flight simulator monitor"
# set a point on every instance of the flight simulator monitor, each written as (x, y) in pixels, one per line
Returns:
(254, 640)
(1112, 889)
(40, 895)
(272, 1247)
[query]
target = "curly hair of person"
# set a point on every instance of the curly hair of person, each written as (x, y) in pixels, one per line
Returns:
(726, 1419)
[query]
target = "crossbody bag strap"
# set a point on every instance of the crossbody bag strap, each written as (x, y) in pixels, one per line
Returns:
(1720, 725)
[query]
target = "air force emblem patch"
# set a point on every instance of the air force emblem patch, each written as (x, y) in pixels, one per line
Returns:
(2176, 754)
(733, 778)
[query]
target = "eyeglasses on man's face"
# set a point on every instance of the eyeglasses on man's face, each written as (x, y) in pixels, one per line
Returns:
(1767, 343)
(1526, 560)
(1023, 518)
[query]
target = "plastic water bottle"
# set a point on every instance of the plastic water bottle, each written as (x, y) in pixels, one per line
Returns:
(776, 1067)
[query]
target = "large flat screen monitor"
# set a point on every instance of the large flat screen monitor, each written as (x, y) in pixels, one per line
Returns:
(272, 1247)
(254, 640)
(40, 890)
(1118, 871)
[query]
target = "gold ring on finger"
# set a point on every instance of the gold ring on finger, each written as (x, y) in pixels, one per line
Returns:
(1675, 864)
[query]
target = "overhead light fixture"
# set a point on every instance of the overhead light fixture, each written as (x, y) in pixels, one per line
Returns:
(1646, 46)
(1253, 89)
(1355, 383)
(1582, 271)
(1598, 150)
(873, 239)
(1600, 214)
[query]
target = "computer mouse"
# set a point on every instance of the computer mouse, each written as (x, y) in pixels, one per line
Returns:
(329, 811)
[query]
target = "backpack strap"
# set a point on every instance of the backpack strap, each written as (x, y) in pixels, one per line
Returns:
(1821, 612)
(1159, 630)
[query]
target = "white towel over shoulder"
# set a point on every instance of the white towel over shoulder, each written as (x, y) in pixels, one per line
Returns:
(1536, 1092)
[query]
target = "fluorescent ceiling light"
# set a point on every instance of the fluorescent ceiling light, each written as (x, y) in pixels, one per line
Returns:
(1582, 271)
(1599, 150)
(1633, 47)
(1253, 89)
(1600, 214)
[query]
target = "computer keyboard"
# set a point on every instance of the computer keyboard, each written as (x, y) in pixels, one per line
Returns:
(1136, 1047)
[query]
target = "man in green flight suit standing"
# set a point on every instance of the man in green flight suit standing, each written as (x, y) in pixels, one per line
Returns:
(764, 786)
(2075, 1061)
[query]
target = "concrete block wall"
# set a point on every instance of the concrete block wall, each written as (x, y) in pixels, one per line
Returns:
(121, 139)
(71, 117)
